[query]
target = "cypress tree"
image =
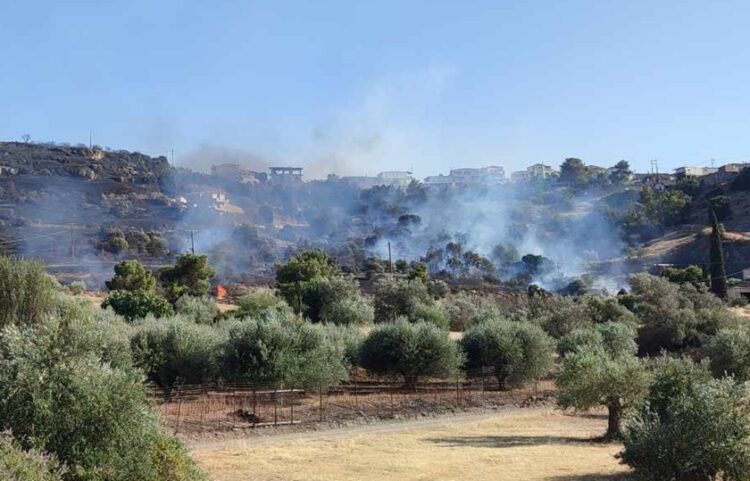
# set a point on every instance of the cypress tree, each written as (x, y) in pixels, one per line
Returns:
(718, 270)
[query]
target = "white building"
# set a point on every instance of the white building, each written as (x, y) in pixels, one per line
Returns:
(686, 172)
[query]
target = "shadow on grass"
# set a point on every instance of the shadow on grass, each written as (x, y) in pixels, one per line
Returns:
(591, 477)
(509, 441)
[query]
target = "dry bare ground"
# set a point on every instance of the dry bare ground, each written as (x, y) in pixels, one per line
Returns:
(515, 444)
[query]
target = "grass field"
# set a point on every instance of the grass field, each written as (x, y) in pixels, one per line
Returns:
(520, 444)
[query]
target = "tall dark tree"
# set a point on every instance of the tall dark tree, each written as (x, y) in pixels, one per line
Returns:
(574, 172)
(718, 269)
(621, 173)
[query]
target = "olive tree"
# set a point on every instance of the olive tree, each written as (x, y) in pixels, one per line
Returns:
(729, 353)
(410, 350)
(614, 337)
(592, 377)
(177, 350)
(259, 301)
(699, 432)
(27, 292)
(17, 464)
(280, 349)
(517, 352)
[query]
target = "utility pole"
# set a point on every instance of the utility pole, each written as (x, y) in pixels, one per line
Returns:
(655, 169)
(192, 242)
(390, 260)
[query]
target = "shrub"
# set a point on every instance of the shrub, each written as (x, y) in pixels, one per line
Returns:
(77, 287)
(177, 351)
(259, 301)
(463, 308)
(319, 294)
(517, 352)
(399, 297)
(131, 276)
(729, 353)
(27, 292)
(569, 316)
(675, 317)
(354, 311)
(409, 350)
(430, 313)
(19, 465)
(701, 434)
(137, 305)
(590, 378)
(201, 310)
(281, 349)
(614, 337)
(93, 417)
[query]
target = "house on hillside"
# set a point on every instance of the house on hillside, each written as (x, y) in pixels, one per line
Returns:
(686, 172)
(285, 175)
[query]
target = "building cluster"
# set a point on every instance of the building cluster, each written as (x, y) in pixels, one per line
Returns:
(490, 175)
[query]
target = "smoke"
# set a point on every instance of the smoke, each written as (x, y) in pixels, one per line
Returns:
(206, 155)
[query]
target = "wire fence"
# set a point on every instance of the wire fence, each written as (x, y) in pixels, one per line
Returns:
(213, 408)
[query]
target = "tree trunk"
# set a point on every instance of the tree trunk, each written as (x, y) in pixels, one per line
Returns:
(501, 385)
(613, 420)
(410, 381)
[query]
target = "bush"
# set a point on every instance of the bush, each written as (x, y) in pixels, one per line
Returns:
(409, 350)
(463, 308)
(675, 317)
(281, 349)
(27, 292)
(77, 287)
(729, 353)
(294, 276)
(19, 465)
(201, 310)
(590, 378)
(517, 352)
(177, 351)
(355, 311)
(432, 314)
(614, 337)
(701, 434)
(319, 294)
(93, 417)
(137, 305)
(399, 297)
(131, 276)
(260, 301)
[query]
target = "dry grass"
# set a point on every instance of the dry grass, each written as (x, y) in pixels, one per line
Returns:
(523, 445)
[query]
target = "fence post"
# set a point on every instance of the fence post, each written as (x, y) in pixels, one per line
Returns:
(275, 406)
(255, 408)
(320, 399)
(291, 406)
(458, 394)
(392, 388)
(356, 399)
(179, 410)
(483, 403)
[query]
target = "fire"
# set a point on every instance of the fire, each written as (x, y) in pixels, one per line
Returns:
(220, 292)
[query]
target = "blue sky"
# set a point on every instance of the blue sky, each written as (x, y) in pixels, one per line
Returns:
(359, 87)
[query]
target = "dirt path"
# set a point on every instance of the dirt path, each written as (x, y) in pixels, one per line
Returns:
(269, 437)
(533, 444)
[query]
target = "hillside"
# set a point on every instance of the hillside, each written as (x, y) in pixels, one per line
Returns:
(81, 210)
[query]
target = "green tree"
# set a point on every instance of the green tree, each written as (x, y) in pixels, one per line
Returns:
(177, 351)
(299, 272)
(691, 274)
(729, 353)
(574, 172)
(281, 349)
(137, 305)
(201, 310)
(701, 434)
(189, 275)
(27, 292)
(259, 301)
(518, 352)
(400, 297)
(132, 276)
(592, 377)
(718, 269)
(621, 173)
(616, 338)
(353, 311)
(410, 350)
